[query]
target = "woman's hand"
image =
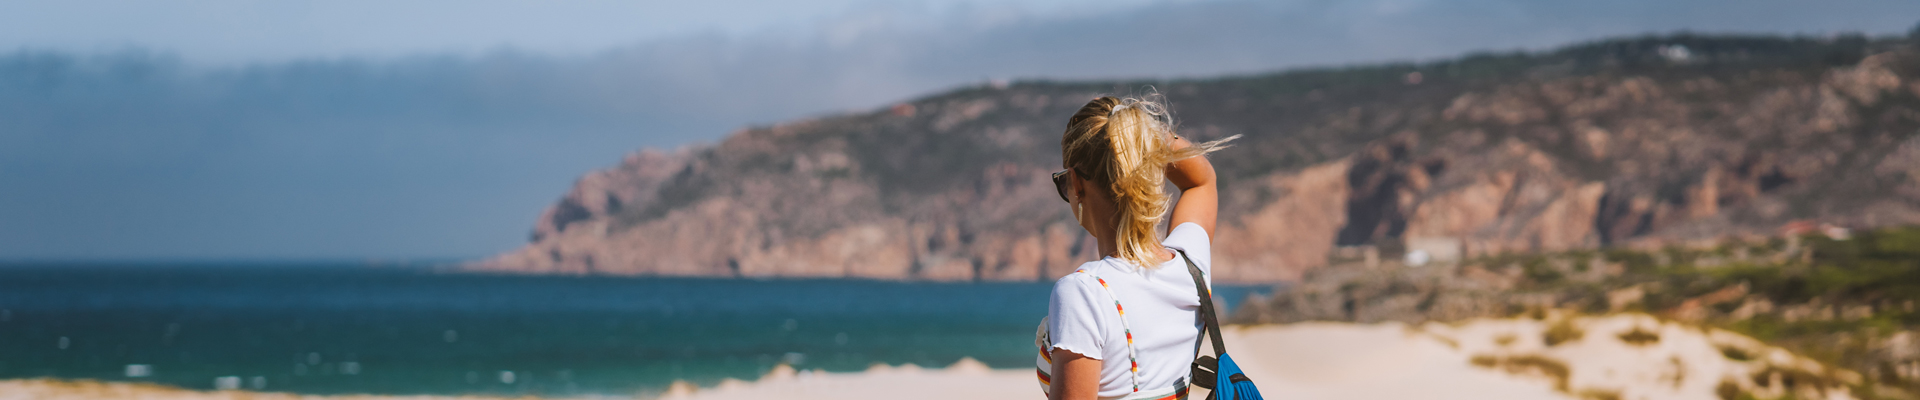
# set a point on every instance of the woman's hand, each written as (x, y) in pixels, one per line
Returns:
(1199, 196)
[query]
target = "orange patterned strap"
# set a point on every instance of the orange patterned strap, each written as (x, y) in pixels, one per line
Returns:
(1133, 358)
(1046, 380)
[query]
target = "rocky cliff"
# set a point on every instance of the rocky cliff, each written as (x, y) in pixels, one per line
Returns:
(1642, 140)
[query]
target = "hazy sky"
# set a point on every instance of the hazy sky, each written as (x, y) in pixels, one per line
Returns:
(229, 31)
(225, 129)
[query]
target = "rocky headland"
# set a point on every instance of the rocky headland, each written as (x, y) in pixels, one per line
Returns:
(1639, 142)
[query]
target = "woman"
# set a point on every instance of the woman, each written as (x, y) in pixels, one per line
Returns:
(1125, 326)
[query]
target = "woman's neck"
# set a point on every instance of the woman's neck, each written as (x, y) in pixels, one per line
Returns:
(1109, 247)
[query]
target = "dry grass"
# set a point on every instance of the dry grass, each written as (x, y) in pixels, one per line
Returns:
(1735, 353)
(1679, 371)
(1528, 364)
(1538, 314)
(1794, 379)
(1485, 361)
(1599, 394)
(1562, 331)
(1639, 337)
(1728, 390)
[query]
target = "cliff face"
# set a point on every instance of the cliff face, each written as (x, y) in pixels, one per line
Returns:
(1648, 140)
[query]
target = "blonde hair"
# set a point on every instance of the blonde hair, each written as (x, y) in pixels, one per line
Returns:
(1126, 144)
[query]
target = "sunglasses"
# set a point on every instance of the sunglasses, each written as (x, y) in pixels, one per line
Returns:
(1060, 184)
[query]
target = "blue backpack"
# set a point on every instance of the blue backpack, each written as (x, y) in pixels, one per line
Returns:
(1216, 372)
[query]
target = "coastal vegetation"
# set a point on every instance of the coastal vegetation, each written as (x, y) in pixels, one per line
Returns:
(1844, 298)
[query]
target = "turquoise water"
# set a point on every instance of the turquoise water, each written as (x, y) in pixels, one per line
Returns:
(329, 329)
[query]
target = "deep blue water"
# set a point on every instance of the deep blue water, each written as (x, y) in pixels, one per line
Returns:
(316, 328)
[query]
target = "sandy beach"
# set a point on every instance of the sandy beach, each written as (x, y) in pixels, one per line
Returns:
(1306, 361)
(1628, 356)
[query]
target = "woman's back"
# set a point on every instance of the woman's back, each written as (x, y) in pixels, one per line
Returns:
(1115, 329)
(1161, 306)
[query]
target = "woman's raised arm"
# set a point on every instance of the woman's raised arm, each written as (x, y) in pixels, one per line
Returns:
(1199, 195)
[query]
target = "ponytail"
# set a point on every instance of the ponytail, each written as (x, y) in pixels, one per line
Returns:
(1126, 144)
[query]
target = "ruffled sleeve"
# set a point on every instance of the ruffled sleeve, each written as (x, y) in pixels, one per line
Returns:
(1075, 320)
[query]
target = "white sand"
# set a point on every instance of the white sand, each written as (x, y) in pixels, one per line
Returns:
(1385, 361)
(1322, 361)
(1686, 362)
(1302, 361)
(1336, 361)
(967, 379)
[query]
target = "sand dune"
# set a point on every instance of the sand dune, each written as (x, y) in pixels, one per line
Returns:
(1629, 356)
(1559, 357)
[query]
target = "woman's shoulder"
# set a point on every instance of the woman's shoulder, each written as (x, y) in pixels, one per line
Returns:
(1083, 282)
(1076, 293)
(1082, 275)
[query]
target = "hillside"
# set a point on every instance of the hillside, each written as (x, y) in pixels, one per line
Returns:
(1635, 141)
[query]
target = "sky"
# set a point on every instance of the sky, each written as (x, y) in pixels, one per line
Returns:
(409, 129)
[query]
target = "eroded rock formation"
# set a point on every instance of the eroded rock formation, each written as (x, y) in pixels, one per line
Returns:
(1607, 143)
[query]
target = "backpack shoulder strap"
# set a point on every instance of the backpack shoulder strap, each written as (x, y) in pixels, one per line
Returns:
(1207, 313)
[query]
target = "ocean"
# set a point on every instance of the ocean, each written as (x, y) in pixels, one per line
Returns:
(336, 328)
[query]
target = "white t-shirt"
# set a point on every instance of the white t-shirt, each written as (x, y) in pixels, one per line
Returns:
(1162, 308)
